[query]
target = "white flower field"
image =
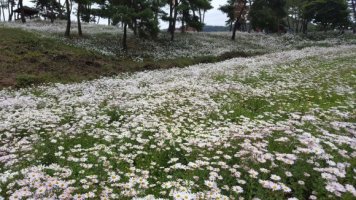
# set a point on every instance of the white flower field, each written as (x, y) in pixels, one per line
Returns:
(277, 126)
(107, 40)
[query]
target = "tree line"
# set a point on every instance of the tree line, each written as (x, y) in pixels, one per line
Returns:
(142, 16)
(289, 15)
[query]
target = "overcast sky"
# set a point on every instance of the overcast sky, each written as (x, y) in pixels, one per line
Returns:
(215, 16)
(212, 17)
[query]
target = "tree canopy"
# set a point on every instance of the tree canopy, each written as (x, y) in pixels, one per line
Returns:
(142, 16)
(327, 13)
(268, 14)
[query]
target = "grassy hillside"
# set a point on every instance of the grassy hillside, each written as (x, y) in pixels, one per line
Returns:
(37, 52)
(29, 58)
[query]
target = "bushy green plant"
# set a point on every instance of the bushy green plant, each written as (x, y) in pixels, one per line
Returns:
(25, 80)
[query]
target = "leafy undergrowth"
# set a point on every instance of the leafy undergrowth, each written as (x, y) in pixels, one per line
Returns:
(278, 126)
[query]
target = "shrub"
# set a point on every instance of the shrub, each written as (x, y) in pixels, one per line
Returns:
(25, 80)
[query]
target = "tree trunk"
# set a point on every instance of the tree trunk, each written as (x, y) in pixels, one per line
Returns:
(204, 16)
(156, 10)
(170, 16)
(353, 2)
(134, 26)
(80, 33)
(236, 26)
(237, 22)
(278, 30)
(11, 9)
(305, 26)
(8, 10)
(183, 28)
(297, 26)
(3, 12)
(200, 15)
(173, 28)
(52, 15)
(67, 33)
(17, 15)
(60, 10)
(288, 23)
(124, 39)
(22, 12)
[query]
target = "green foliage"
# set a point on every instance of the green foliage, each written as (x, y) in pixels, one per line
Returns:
(268, 14)
(327, 13)
(192, 13)
(228, 9)
(25, 80)
(137, 15)
(50, 8)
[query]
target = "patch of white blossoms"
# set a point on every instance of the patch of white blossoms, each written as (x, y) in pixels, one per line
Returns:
(167, 134)
(106, 40)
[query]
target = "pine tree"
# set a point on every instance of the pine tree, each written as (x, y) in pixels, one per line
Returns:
(328, 13)
(23, 19)
(50, 8)
(68, 10)
(228, 9)
(240, 10)
(268, 14)
(136, 15)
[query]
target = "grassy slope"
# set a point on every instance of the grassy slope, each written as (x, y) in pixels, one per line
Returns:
(27, 58)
